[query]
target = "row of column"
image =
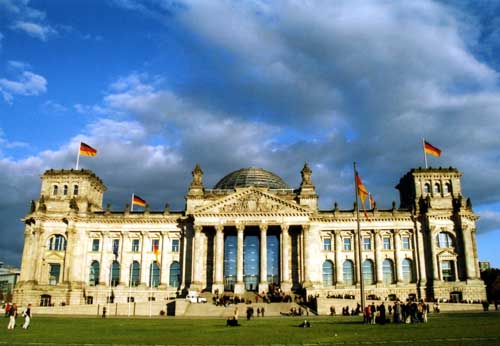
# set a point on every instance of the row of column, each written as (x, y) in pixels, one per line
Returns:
(219, 258)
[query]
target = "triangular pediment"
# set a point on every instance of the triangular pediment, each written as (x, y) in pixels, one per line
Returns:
(447, 253)
(252, 201)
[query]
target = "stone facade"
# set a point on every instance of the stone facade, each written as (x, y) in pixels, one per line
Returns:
(253, 232)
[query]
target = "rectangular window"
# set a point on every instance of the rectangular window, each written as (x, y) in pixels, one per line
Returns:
(75, 190)
(135, 245)
(175, 245)
(387, 243)
(406, 243)
(367, 244)
(116, 246)
(95, 244)
(54, 271)
(347, 244)
(327, 244)
(155, 243)
(447, 271)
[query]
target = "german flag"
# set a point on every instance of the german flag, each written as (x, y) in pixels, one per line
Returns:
(431, 150)
(362, 191)
(87, 150)
(139, 201)
(156, 252)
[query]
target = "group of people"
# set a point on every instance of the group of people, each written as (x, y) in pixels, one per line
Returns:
(12, 314)
(409, 312)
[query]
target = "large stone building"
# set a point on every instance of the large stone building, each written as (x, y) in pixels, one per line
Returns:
(248, 232)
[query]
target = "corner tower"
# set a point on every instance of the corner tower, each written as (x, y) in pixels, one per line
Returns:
(64, 190)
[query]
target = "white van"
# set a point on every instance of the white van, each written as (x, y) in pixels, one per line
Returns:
(194, 297)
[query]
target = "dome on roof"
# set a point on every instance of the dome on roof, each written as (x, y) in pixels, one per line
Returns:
(252, 176)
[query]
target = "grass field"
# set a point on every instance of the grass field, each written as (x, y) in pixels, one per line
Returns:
(445, 329)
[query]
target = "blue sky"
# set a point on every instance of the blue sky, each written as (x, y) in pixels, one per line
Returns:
(160, 85)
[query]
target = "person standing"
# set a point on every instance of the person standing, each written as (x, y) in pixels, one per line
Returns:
(12, 317)
(27, 317)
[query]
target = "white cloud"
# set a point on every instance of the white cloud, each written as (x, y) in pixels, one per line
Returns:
(28, 84)
(40, 31)
(20, 65)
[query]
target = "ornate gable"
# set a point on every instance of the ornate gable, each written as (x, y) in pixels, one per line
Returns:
(252, 201)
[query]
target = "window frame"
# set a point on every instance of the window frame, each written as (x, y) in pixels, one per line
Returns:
(94, 242)
(327, 244)
(367, 243)
(407, 242)
(386, 243)
(347, 244)
(136, 245)
(175, 245)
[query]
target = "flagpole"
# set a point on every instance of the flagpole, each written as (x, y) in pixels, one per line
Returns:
(361, 283)
(150, 287)
(425, 154)
(129, 288)
(132, 203)
(110, 287)
(78, 156)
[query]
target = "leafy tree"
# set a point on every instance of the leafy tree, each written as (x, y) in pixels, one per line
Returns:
(491, 278)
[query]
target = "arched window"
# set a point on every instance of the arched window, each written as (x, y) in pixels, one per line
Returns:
(57, 243)
(447, 188)
(407, 271)
(94, 273)
(65, 190)
(427, 188)
(135, 272)
(154, 271)
(368, 277)
(175, 275)
(348, 272)
(444, 240)
(75, 190)
(327, 273)
(55, 190)
(437, 188)
(115, 273)
(388, 271)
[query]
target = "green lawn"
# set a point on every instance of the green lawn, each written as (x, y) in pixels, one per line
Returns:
(446, 329)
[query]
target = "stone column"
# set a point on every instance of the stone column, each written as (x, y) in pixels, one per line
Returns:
(105, 265)
(239, 287)
(219, 259)
(398, 256)
(468, 253)
(286, 283)
(307, 257)
(476, 259)
(40, 247)
(164, 272)
(456, 269)
(435, 272)
(28, 259)
(197, 258)
(378, 257)
(338, 265)
(263, 285)
(144, 267)
(420, 252)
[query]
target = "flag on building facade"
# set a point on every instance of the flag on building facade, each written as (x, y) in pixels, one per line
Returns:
(136, 200)
(431, 150)
(87, 150)
(156, 251)
(362, 192)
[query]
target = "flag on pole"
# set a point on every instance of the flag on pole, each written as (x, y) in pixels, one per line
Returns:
(362, 192)
(138, 201)
(156, 251)
(431, 150)
(87, 150)
(372, 201)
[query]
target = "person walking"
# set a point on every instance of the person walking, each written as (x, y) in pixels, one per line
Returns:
(12, 317)
(27, 317)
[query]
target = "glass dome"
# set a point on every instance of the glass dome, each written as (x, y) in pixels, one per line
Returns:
(252, 176)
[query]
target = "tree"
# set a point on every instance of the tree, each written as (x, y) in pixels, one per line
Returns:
(491, 278)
